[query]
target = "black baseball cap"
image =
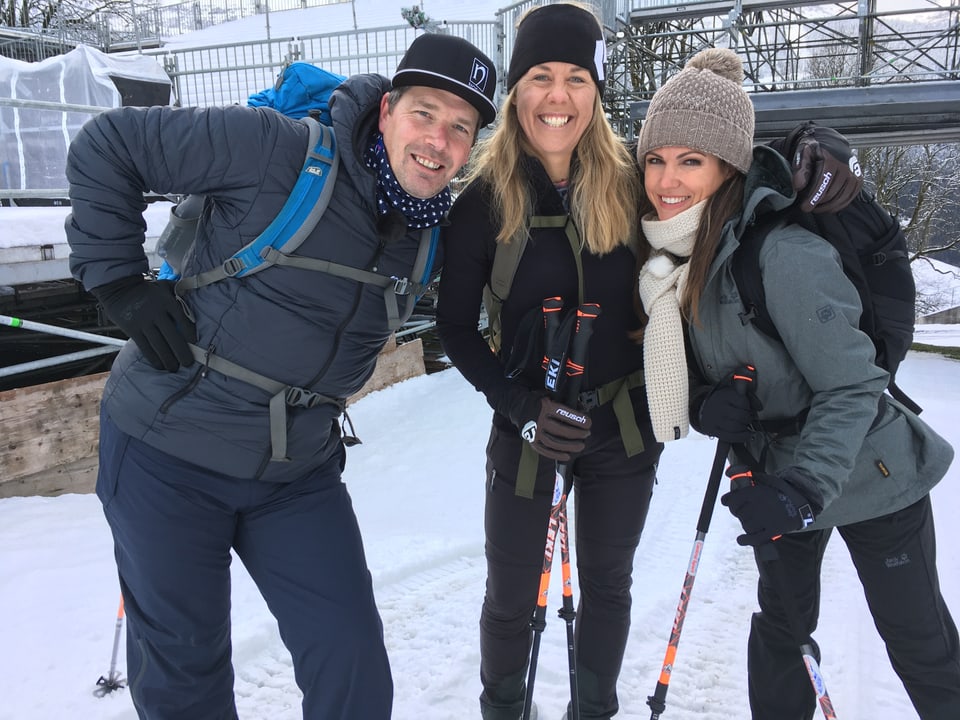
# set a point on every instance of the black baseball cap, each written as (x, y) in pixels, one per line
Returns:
(451, 63)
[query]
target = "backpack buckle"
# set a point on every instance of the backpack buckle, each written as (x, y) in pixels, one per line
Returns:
(879, 258)
(233, 266)
(589, 399)
(400, 285)
(748, 316)
(301, 397)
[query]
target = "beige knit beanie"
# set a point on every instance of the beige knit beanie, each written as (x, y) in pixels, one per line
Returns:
(703, 107)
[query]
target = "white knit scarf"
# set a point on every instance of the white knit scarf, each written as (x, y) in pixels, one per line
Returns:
(661, 284)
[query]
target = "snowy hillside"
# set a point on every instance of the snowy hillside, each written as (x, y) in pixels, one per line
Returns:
(338, 17)
(938, 285)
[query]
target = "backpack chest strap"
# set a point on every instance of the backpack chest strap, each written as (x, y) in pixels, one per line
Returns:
(618, 392)
(391, 284)
(282, 395)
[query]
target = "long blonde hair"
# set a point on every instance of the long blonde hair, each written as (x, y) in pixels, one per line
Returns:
(605, 189)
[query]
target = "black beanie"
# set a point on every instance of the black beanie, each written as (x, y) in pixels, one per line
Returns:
(558, 33)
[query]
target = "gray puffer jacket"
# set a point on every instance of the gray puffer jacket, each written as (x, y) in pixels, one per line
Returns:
(302, 328)
(858, 465)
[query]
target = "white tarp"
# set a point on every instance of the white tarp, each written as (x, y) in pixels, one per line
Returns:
(33, 142)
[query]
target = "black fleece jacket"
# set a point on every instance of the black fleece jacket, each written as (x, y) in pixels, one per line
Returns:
(547, 268)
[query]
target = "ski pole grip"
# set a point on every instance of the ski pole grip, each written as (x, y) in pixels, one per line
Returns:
(586, 314)
(554, 356)
(744, 378)
(740, 477)
(552, 310)
(577, 359)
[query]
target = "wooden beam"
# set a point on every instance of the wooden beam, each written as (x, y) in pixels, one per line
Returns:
(49, 425)
(50, 432)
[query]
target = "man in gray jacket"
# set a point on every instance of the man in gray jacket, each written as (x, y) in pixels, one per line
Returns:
(189, 461)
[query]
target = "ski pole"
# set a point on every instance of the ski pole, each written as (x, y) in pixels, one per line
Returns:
(586, 314)
(742, 380)
(551, 308)
(768, 554)
(22, 324)
(113, 681)
(557, 525)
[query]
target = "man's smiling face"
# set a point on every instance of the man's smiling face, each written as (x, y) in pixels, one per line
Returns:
(428, 135)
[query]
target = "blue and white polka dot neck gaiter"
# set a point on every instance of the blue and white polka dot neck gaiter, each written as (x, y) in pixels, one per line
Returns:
(390, 195)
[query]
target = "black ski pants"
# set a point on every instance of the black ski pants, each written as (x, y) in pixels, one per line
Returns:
(174, 525)
(612, 495)
(895, 558)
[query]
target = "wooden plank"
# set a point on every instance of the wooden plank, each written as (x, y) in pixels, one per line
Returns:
(44, 426)
(75, 477)
(49, 432)
(396, 363)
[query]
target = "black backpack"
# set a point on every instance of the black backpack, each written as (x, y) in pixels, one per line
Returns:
(875, 258)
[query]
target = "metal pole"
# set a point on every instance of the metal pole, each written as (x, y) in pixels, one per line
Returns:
(58, 360)
(65, 332)
(136, 25)
(266, 5)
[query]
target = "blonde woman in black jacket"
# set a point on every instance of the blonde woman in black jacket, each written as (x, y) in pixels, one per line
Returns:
(554, 154)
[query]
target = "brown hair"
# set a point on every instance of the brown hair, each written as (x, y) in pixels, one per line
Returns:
(720, 207)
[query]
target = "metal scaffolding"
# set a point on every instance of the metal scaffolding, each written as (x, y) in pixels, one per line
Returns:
(792, 47)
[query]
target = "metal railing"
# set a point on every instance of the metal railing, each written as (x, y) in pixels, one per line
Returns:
(106, 344)
(140, 25)
(230, 73)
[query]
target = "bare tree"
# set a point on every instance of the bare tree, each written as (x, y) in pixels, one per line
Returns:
(920, 184)
(831, 66)
(44, 14)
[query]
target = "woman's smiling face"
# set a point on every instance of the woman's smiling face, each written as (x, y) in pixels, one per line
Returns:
(554, 104)
(677, 178)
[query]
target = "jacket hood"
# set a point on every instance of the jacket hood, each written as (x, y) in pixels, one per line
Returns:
(768, 186)
(355, 110)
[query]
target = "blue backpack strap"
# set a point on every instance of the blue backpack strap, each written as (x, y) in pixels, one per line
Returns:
(297, 218)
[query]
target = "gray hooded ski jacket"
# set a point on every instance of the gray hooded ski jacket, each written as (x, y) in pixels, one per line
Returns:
(858, 465)
(302, 328)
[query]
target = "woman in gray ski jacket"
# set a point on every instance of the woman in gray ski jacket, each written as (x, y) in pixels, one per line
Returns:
(859, 462)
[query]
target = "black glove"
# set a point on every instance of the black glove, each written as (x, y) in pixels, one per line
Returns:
(555, 431)
(767, 506)
(826, 173)
(150, 315)
(726, 413)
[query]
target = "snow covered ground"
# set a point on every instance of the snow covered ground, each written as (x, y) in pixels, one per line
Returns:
(418, 491)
